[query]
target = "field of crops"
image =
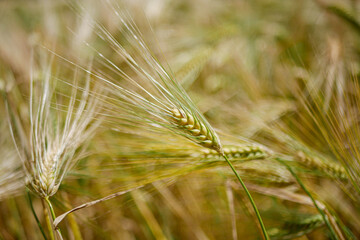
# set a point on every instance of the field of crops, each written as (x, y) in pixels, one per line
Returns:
(192, 119)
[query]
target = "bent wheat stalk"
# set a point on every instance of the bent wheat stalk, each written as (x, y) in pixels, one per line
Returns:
(89, 204)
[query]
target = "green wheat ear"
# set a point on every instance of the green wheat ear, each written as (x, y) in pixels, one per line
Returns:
(333, 169)
(294, 229)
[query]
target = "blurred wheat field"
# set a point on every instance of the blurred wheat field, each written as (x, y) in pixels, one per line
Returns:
(164, 119)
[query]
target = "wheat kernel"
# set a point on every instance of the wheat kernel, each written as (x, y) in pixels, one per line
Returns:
(189, 127)
(202, 137)
(176, 113)
(207, 143)
(191, 120)
(195, 132)
(183, 121)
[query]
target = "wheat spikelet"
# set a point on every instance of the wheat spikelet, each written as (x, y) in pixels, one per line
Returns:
(332, 169)
(306, 224)
(52, 139)
(294, 229)
(188, 73)
(243, 152)
(195, 128)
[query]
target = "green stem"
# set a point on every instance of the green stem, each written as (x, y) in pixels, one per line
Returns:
(265, 235)
(328, 224)
(35, 216)
(53, 216)
(48, 221)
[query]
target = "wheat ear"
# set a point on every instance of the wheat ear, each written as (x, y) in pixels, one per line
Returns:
(247, 152)
(192, 125)
(332, 169)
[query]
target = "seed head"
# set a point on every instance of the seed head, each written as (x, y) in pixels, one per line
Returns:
(143, 93)
(51, 140)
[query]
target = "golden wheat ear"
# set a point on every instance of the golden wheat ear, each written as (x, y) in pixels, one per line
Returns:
(142, 92)
(195, 129)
